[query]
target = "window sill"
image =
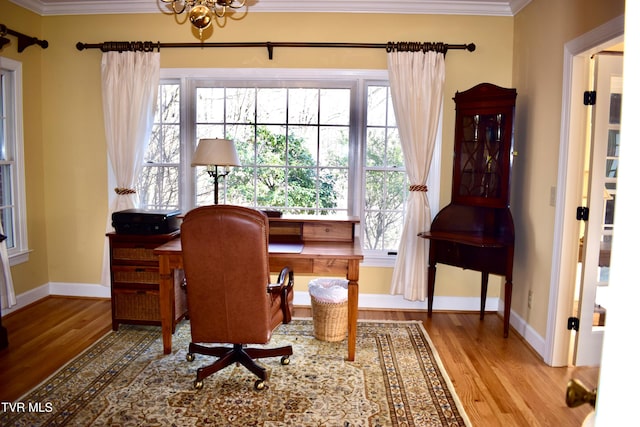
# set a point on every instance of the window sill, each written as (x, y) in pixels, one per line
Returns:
(379, 261)
(19, 257)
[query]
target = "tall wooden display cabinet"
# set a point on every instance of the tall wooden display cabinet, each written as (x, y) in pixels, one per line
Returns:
(475, 231)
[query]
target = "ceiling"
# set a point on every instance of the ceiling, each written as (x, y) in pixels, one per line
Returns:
(441, 7)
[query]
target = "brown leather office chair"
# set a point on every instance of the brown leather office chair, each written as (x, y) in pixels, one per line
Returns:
(230, 299)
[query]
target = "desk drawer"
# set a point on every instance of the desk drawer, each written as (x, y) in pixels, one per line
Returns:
(329, 231)
(490, 260)
(134, 253)
(297, 265)
(131, 274)
(330, 266)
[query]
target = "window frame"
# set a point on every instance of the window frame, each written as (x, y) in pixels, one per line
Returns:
(14, 135)
(189, 79)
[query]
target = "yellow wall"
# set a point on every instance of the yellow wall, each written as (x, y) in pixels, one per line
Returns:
(73, 147)
(36, 272)
(541, 31)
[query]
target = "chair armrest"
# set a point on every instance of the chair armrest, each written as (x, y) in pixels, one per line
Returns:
(284, 289)
(280, 284)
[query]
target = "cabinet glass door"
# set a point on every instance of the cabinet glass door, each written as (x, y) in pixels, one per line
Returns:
(481, 156)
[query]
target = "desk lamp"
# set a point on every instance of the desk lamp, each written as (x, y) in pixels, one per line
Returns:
(214, 153)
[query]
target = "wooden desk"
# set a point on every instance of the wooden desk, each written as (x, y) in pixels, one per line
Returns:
(474, 238)
(329, 248)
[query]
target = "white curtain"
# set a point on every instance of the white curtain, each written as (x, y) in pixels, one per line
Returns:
(7, 293)
(416, 82)
(129, 90)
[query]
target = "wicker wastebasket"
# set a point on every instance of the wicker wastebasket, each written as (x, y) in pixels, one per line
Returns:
(329, 308)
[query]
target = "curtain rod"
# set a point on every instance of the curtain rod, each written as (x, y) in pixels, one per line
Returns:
(149, 46)
(24, 41)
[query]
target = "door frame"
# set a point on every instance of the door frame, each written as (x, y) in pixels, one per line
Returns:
(569, 185)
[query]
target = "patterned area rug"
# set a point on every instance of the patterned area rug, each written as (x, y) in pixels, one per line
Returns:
(125, 380)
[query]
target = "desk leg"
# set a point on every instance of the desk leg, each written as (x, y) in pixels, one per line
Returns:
(166, 302)
(353, 274)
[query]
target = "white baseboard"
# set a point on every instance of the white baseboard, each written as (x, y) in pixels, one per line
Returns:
(54, 288)
(79, 290)
(302, 298)
(26, 298)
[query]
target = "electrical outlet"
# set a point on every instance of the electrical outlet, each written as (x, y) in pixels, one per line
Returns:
(530, 299)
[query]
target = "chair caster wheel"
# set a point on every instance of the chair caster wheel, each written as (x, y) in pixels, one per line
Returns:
(198, 384)
(284, 360)
(259, 385)
(191, 357)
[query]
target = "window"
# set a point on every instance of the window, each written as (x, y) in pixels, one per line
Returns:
(321, 143)
(12, 194)
(159, 184)
(385, 180)
(293, 144)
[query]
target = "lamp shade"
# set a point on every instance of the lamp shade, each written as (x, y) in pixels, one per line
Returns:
(218, 152)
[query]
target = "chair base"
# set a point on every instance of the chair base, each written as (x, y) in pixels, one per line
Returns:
(237, 354)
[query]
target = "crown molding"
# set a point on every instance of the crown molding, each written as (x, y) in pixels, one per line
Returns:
(433, 7)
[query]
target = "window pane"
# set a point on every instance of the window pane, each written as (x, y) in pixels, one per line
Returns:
(334, 146)
(6, 216)
(301, 186)
(334, 188)
(272, 105)
(240, 186)
(164, 146)
(210, 105)
(270, 186)
(210, 131)
(302, 146)
(243, 137)
(377, 106)
(334, 106)
(271, 146)
(376, 147)
(303, 106)
(395, 186)
(241, 105)
(374, 185)
(394, 150)
(158, 187)
(6, 184)
(169, 100)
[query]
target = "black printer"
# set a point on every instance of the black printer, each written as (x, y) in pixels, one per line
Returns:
(141, 221)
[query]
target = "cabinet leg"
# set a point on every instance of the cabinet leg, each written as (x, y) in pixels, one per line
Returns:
(483, 293)
(431, 284)
(508, 288)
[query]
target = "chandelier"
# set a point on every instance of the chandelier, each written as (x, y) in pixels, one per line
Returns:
(202, 12)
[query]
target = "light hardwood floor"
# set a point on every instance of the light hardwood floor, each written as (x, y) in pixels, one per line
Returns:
(500, 382)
